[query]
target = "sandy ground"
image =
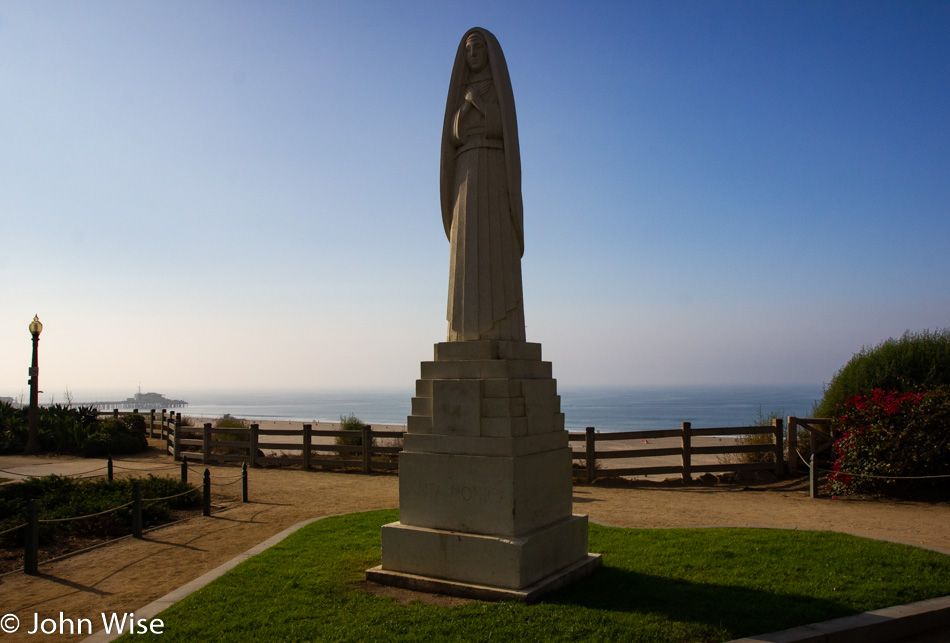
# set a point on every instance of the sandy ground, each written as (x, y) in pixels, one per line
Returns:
(127, 574)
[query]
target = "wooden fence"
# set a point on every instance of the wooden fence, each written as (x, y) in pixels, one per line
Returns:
(785, 454)
(210, 444)
(687, 451)
(819, 441)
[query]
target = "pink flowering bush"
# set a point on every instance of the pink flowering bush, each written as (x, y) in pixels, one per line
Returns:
(888, 437)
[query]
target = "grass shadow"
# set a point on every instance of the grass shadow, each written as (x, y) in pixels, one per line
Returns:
(740, 610)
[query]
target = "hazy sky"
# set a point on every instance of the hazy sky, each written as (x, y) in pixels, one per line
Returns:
(246, 194)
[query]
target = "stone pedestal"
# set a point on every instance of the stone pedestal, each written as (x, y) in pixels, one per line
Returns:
(485, 480)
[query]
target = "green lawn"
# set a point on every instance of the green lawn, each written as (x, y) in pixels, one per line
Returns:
(657, 585)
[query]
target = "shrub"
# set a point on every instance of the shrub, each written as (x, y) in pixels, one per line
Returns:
(62, 497)
(14, 429)
(352, 423)
(915, 362)
(226, 421)
(116, 436)
(893, 435)
(759, 438)
(63, 429)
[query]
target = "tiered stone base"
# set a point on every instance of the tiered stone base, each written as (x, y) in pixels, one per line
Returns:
(485, 480)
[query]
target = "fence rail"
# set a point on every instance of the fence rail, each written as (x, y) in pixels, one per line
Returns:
(687, 451)
(211, 444)
(251, 442)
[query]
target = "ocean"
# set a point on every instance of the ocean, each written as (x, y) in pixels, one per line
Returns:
(618, 409)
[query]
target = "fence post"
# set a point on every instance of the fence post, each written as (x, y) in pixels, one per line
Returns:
(779, 443)
(307, 443)
(109, 468)
(115, 413)
(792, 445)
(164, 427)
(366, 440)
(812, 442)
(206, 442)
(687, 454)
(151, 423)
(184, 468)
(255, 439)
(176, 437)
(812, 477)
(136, 509)
(206, 495)
(244, 483)
(590, 463)
(31, 543)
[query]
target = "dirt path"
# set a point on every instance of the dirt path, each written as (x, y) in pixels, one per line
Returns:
(128, 574)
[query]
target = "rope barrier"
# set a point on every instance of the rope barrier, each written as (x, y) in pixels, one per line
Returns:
(13, 529)
(144, 500)
(145, 468)
(225, 484)
(870, 475)
(69, 475)
(49, 520)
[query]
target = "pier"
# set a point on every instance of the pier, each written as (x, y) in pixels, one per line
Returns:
(138, 401)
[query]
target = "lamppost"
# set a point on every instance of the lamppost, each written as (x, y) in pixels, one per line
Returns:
(33, 441)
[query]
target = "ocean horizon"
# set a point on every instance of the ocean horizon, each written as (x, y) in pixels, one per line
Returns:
(606, 409)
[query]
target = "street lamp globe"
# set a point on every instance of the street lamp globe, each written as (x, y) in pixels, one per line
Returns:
(36, 326)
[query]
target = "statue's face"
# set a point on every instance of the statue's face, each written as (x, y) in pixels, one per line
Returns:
(476, 53)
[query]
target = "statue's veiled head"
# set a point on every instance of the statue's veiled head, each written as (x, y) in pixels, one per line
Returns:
(476, 52)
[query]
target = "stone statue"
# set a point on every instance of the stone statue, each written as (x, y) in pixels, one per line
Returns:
(485, 494)
(480, 182)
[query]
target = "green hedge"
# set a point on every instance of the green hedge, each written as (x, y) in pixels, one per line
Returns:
(64, 429)
(915, 362)
(63, 497)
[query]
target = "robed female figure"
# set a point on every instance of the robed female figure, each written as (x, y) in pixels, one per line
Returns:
(481, 195)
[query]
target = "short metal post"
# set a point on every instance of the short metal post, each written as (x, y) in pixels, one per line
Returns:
(31, 543)
(136, 509)
(687, 454)
(307, 443)
(812, 477)
(184, 468)
(366, 440)
(109, 468)
(590, 464)
(244, 483)
(206, 499)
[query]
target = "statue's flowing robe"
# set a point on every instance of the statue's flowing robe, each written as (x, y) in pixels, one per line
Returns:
(481, 202)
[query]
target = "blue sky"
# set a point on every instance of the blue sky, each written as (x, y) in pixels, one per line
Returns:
(245, 194)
